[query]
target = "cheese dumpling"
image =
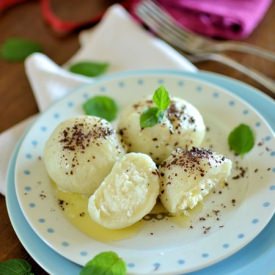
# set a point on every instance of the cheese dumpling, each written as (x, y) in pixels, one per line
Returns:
(81, 152)
(181, 126)
(127, 194)
(188, 176)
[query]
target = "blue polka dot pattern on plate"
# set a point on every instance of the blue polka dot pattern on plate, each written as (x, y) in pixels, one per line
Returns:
(273, 169)
(231, 103)
(121, 84)
(245, 112)
(32, 205)
(266, 204)
(131, 265)
(254, 221)
(216, 95)
(272, 154)
(205, 255)
(267, 138)
(43, 128)
(160, 81)
(181, 83)
(34, 142)
(181, 262)
(156, 266)
(140, 81)
(83, 253)
(258, 124)
(85, 96)
(28, 156)
(102, 89)
(70, 104)
(65, 244)
(241, 236)
(56, 115)
(272, 188)
(27, 172)
(225, 245)
(27, 188)
(41, 220)
(50, 230)
(198, 88)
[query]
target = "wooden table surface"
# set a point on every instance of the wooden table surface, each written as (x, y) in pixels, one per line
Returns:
(17, 101)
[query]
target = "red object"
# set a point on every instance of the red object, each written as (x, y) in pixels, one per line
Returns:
(59, 25)
(62, 26)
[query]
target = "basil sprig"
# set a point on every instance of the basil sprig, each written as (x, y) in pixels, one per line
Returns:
(105, 263)
(17, 49)
(15, 267)
(101, 106)
(241, 139)
(154, 115)
(89, 68)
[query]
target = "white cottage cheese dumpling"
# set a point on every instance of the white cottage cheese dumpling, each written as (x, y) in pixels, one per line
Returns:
(127, 194)
(188, 176)
(81, 152)
(182, 126)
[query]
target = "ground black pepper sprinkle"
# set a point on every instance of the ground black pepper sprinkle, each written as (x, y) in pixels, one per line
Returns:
(260, 143)
(192, 161)
(80, 136)
(62, 204)
(206, 229)
(42, 195)
(241, 171)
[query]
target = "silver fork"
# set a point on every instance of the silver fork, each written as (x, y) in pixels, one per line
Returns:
(194, 41)
(164, 26)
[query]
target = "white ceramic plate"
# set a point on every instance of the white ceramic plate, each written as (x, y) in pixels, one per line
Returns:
(172, 248)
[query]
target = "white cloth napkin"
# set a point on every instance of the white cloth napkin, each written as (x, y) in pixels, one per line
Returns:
(118, 40)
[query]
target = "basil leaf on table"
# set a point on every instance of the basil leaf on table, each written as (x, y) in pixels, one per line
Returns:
(89, 68)
(15, 267)
(101, 106)
(241, 139)
(105, 263)
(17, 49)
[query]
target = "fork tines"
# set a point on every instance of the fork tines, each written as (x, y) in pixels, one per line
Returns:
(165, 26)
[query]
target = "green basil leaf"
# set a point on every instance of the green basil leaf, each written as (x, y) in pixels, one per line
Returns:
(88, 68)
(15, 267)
(241, 139)
(17, 49)
(149, 118)
(161, 98)
(101, 106)
(105, 263)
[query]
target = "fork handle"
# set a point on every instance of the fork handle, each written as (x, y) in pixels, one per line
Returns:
(257, 76)
(244, 48)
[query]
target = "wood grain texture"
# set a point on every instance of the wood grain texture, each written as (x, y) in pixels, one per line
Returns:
(17, 101)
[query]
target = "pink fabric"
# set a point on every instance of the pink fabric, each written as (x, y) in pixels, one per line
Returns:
(229, 19)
